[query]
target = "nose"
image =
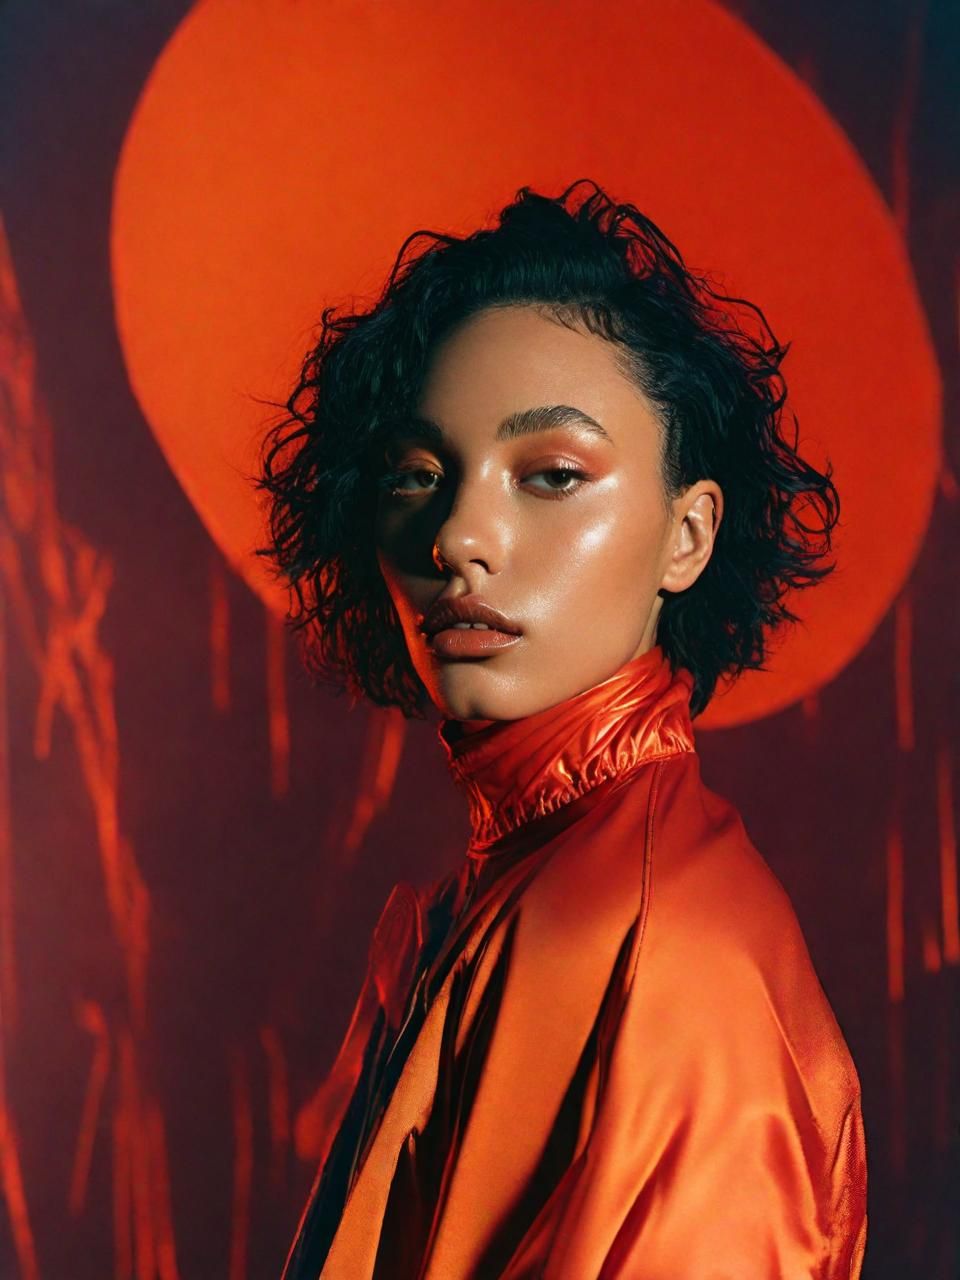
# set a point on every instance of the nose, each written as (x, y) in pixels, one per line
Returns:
(474, 533)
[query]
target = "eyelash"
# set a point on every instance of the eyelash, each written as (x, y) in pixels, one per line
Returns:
(390, 479)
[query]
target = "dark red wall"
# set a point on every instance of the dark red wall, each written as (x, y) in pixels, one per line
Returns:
(259, 914)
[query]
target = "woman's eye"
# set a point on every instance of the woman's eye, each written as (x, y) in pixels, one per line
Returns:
(394, 481)
(565, 475)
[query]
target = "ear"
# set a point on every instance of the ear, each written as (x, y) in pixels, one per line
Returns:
(697, 513)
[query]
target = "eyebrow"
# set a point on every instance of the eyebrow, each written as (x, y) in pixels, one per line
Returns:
(523, 422)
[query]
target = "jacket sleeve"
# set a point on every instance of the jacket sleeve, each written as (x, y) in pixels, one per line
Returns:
(728, 1143)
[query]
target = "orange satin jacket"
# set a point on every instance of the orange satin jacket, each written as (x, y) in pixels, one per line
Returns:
(598, 1048)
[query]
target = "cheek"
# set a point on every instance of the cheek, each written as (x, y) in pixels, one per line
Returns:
(388, 544)
(606, 557)
(396, 588)
(383, 557)
(392, 578)
(601, 537)
(382, 536)
(618, 533)
(402, 550)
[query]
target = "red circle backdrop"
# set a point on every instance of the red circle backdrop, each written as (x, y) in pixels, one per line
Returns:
(280, 154)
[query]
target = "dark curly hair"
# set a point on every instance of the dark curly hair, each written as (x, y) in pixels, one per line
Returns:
(708, 362)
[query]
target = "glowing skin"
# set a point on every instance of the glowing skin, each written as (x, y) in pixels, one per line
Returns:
(576, 561)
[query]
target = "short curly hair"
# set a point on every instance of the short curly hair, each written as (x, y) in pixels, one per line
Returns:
(709, 363)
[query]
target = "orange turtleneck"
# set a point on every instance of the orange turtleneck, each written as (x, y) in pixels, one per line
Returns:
(598, 1048)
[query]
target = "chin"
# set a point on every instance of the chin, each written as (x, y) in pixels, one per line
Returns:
(461, 705)
(462, 691)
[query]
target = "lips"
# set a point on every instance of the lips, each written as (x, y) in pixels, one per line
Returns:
(447, 612)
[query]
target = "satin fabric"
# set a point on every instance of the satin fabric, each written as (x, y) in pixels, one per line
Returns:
(598, 1048)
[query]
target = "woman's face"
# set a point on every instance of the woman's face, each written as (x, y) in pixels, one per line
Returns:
(564, 529)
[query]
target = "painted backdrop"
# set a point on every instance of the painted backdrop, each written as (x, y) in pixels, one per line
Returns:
(194, 842)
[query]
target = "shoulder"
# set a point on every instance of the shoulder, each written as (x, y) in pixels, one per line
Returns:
(707, 879)
(730, 1098)
(405, 917)
(413, 918)
(681, 851)
(721, 940)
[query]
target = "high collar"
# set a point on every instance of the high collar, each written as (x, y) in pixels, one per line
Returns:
(517, 770)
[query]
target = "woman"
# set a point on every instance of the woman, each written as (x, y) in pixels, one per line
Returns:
(542, 485)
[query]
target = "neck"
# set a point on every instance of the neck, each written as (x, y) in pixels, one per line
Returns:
(517, 771)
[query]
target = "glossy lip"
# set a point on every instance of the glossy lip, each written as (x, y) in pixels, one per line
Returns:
(448, 610)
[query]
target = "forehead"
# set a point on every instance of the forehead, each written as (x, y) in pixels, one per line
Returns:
(505, 360)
